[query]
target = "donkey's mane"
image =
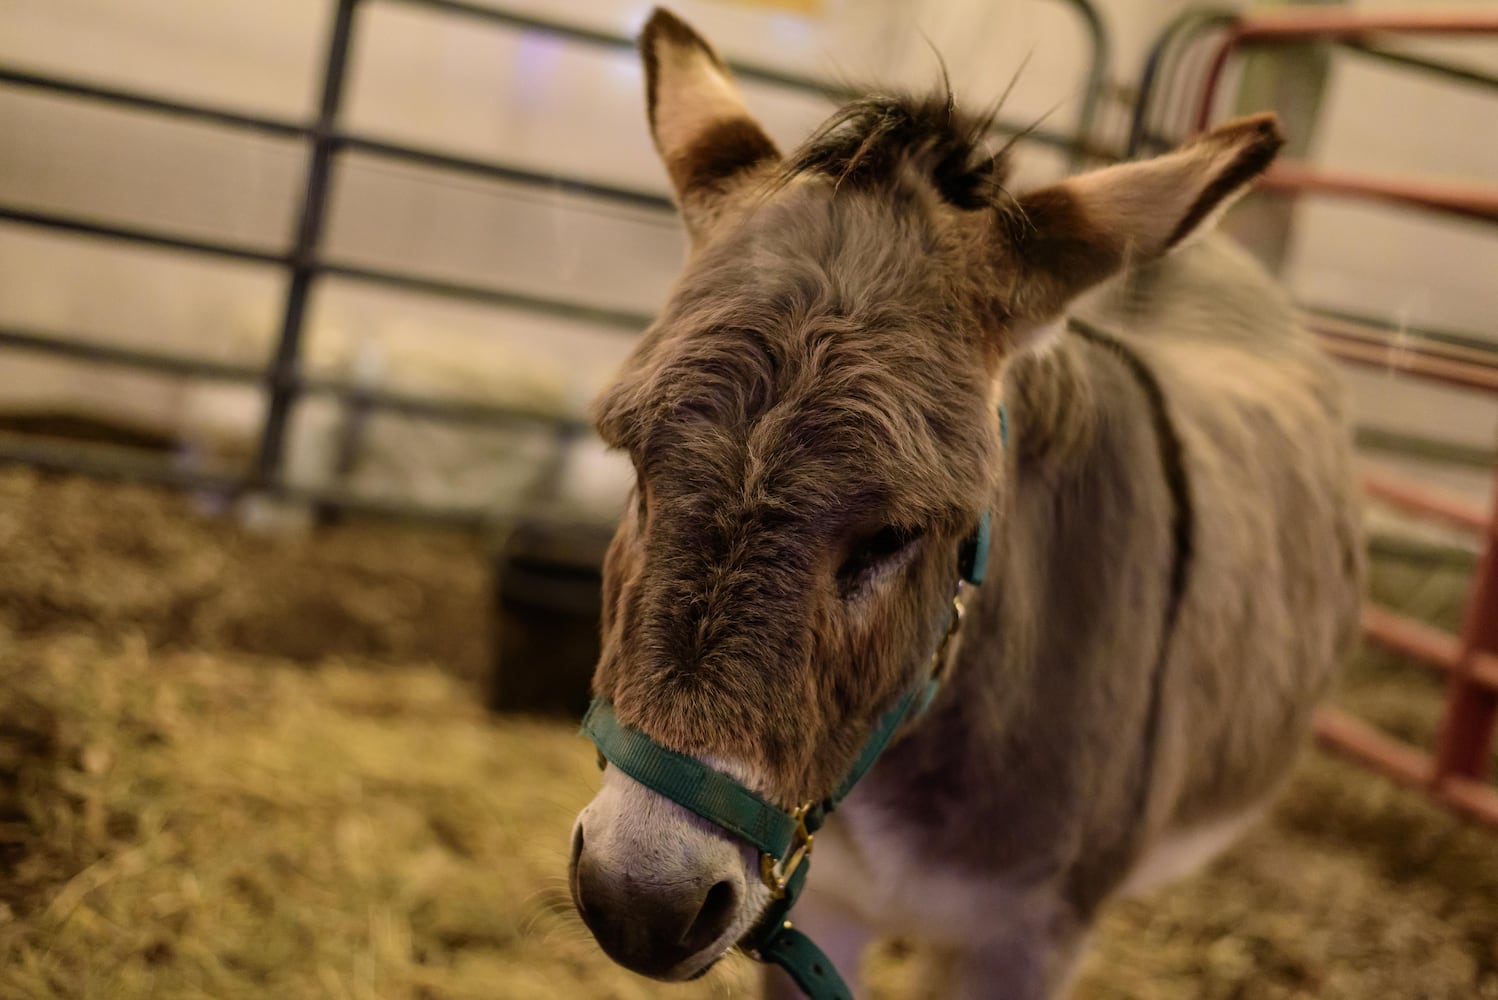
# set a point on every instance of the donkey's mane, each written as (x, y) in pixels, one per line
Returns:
(870, 142)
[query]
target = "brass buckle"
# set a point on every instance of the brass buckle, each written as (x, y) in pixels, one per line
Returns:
(939, 658)
(776, 874)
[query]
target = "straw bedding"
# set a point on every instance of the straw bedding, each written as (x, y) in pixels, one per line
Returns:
(239, 767)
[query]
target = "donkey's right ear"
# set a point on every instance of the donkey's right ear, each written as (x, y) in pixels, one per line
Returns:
(1060, 240)
(710, 144)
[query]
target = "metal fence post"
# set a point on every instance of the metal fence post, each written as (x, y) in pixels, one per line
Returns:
(1097, 82)
(1466, 734)
(282, 378)
(280, 374)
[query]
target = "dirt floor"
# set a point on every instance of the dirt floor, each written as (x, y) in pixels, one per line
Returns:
(236, 767)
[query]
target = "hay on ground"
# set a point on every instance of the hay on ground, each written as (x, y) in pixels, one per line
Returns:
(198, 812)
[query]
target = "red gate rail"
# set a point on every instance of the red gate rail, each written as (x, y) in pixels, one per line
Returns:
(1396, 759)
(1421, 359)
(1456, 773)
(1429, 645)
(1467, 200)
(1438, 506)
(1338, 25)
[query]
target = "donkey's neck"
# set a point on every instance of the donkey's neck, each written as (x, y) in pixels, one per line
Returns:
(1071, 618)
(1051, 405)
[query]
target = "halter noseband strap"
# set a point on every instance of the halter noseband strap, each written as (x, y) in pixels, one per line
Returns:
(783, 838)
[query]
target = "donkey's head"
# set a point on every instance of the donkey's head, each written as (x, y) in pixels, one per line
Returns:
(814, 423)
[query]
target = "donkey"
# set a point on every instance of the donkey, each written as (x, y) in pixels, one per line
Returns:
(876, 350)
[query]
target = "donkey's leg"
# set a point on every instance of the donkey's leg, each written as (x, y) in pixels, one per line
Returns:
(1029, 959)
(837, 931)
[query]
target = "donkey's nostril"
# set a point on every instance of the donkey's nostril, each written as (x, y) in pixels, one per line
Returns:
(657, 928)
(713, 917)
(572, 870)
(577, 843)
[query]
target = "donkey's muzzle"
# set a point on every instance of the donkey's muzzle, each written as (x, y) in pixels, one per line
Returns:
(655, 928)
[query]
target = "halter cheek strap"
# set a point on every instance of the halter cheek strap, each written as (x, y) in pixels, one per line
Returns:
(784, 838)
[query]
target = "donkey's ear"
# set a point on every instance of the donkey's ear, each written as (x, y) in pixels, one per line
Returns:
(705, 135)
(1061, 240)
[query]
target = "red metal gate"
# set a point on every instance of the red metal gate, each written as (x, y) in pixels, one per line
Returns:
(1453, 771)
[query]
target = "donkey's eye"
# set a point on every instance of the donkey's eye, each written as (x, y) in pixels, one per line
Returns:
(883, 548)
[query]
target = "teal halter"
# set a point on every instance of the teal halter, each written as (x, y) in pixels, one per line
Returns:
(783, 838)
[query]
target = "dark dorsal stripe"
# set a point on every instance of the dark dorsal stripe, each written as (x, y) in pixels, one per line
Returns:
(1182, 529)
(1172, 460)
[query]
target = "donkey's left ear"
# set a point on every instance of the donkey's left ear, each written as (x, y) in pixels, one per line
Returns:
(1061, 240)
(710, 144)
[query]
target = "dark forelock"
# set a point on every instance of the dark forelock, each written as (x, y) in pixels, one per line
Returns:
(832, 329)
(871, 141)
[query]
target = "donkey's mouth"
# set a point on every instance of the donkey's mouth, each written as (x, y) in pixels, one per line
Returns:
(651, 914)
(711, 964)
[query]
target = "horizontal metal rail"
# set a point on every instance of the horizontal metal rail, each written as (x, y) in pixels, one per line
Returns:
(1193, 24)
(1453, 511)
(495, 170)
(1433, 67)
(130, 466)
(83, 348)
(162, 363)
(622, 319)
(1351, 737)
(1344, 23)
(1351, 342)
(1429, 645)
(794, 81)
(1423, 448)
(1411, 359)
(1438, 343)
(1399, 633)
(1340, 338)
(1467, 341)
(449, 411)
(1332, 25)
(143, 236)
(1454, 774)
(1467, 200)
(136, 101)
(504, 172)
(519, 21)
(156, 362)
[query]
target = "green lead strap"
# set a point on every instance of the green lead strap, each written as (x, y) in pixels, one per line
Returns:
(804, 962)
